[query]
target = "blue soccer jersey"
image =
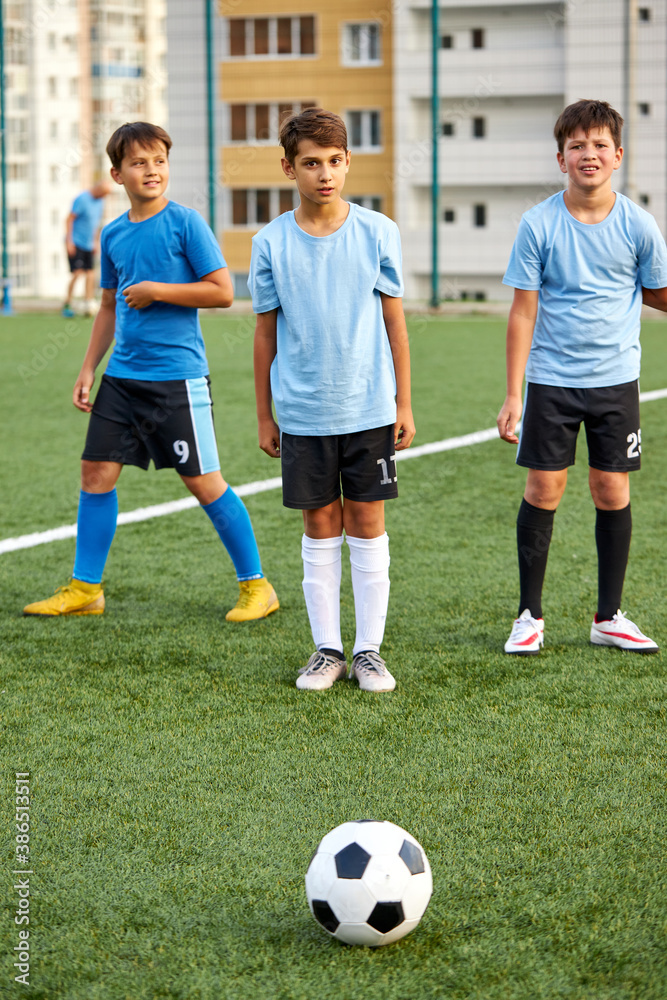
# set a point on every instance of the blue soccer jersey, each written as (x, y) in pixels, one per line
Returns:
(590, 280)
(88, 215)
(333, 372)
(175, 246)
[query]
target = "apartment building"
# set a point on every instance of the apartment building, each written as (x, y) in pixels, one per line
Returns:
(74, 71)
(506, 70)
(276, 59)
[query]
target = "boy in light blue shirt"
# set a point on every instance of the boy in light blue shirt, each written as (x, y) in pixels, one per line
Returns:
(331, 352)
(160, 264)
(583, 262)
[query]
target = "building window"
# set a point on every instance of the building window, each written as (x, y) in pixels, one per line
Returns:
(239, 208)
(479, 215)
(644, 108)
(448, 128)
(254, 207)
(477, 38)
(644, 13)
(272, 37)
(370, 201)
(74, 87)
(53, 130)
(51, 40)
(446, 41)
(364, 130)
(52, 86)
(260, 123)
(362, 44)
(644, 199)
(478, 128)
(449, 215)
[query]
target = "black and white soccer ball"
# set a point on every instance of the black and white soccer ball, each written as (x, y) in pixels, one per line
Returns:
(368, 883)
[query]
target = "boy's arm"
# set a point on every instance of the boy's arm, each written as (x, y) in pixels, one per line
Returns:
(101, 338)
(264, 352)
(520, 328)
(69, 242)
(655, 297)
(212, 291)
(397, 331)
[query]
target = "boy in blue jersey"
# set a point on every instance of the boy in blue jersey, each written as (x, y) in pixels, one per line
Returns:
(582, 263)
(160, 264)
(81, 233)
(331, 351)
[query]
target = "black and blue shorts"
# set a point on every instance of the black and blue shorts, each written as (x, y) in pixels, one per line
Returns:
(316, 469)
(170, 423)
(552, 418)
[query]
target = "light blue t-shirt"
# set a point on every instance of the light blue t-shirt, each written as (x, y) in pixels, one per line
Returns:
(88, 211)
(590, 281)
(162, 341)
(333, 372)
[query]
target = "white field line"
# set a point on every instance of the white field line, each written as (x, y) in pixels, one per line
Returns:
(259, 486)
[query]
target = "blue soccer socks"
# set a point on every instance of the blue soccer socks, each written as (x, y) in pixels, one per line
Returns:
(232, 522)
(96, 526)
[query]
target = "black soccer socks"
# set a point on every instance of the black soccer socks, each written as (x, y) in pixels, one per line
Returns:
(613, 531)
(534, 527)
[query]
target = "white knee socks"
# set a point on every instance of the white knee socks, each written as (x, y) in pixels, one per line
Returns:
(321, 588)
(369, 559)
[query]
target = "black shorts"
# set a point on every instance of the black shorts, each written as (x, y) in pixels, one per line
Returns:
(170, 422)
(315, 468)
(81, 260)
(552, 418)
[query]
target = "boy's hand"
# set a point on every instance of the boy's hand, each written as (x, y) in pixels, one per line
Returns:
(404, 428)
(81, 394)
(140, 295)
(269, 437)
(508, 418)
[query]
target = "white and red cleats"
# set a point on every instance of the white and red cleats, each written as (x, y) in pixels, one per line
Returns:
(527, 635)
(623, 634)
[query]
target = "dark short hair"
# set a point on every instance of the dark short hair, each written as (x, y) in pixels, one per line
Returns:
(587, 115)
(142, 133)
(322, 127)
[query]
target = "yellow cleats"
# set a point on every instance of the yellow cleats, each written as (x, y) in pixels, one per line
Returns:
(257, 599)
(75, 598)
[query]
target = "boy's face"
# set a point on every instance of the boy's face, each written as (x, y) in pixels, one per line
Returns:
(319, 172)
(590, 160)
(144, 172)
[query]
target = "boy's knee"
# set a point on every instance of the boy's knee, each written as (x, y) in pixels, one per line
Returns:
(99, 477)
(545, 489)
(609, 490)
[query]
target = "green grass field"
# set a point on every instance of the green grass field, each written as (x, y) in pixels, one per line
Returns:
(180, 782)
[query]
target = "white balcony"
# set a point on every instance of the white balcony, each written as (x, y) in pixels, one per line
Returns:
(466, 162)
(485, 251)
(482, 73)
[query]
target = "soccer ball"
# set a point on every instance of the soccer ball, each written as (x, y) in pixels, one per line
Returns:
(368, 883)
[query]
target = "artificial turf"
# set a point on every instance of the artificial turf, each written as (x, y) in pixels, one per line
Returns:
(180, 782)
